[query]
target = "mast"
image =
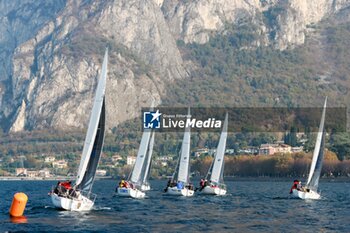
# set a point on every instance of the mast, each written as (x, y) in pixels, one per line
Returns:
(217, 171)
(317, 158)
(185, 153)
(95, 133)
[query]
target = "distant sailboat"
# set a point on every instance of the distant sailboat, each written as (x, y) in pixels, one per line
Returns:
(179, 185)
(216, 185)
(79, 197)
(138, 179)
(310, 191)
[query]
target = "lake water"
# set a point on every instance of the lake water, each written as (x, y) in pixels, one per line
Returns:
(250, 206)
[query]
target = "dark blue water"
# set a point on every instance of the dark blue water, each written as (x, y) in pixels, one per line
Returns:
(249, 207)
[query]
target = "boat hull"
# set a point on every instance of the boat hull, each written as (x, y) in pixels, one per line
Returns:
(305, 195)
(174, 191)
(72, 204)
(129, 192)
(209, 190)
(145, 187)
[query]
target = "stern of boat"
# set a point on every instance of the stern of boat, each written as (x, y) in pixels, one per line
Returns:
(129, 192)
(174, 191)
(84, 202)
(305, 195)
(210, 190)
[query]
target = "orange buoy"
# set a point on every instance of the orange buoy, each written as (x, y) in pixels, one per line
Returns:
(18, 204)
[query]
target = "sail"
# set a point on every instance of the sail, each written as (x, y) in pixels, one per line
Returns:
(317, 159)
(139, 169)
(217, 171)
(141, 156)
(89, 176)
(149, 159)
(185, 154)
(94, 136)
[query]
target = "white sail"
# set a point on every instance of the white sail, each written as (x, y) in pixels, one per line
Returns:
(149, 159)
(141, 156)
(185, 154)
(316, 165)
(94, 121)
(217, 171)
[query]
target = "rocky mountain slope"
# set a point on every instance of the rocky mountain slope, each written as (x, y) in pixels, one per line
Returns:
(51, 51)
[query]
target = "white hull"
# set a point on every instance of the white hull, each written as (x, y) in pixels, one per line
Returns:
(213, 191)
(174, 191)
(129, 192)
(76, 204)
(145, 187)
(306, 195)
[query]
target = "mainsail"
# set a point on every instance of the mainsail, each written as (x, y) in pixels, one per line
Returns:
(317, 159)
(94, 136)
(218, 166)
(149, 159)
(141, 157)
(185, 154)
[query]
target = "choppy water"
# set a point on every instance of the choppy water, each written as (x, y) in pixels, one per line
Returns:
(249, 207)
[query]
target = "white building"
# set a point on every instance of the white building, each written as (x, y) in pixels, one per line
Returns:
(101, 172)
(60, 164)
(130, 160)
(49, 159)
(21, 172)
(270, 149)
(44, 173)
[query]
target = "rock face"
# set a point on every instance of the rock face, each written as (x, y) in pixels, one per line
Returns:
(56, 71)
(296, 15)
(51, 51)
(195, 21)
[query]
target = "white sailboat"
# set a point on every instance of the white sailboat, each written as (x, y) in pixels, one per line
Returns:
(80, 197)
(216, 185)
(137, 184)
(310, 191)
(179, 184)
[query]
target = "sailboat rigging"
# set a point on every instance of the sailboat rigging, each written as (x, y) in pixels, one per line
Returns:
(137, 181)
(215, 185)
(79, 197)
(311, 189)
(180, 185)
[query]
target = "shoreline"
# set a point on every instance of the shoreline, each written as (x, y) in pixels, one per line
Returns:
(56, 178)
(228, 178)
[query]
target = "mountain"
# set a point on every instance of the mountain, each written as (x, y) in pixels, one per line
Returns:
(218, 52)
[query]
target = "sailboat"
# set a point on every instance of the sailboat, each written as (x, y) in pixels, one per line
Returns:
(137, 183)
(79, 197)
(310, 191)
(179, 184)
(216, 185)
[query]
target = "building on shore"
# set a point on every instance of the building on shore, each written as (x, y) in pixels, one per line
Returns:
(101, 172)
(21, 171)
(60, 164)
(130, 160)
(49, 159)
(270, 149)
